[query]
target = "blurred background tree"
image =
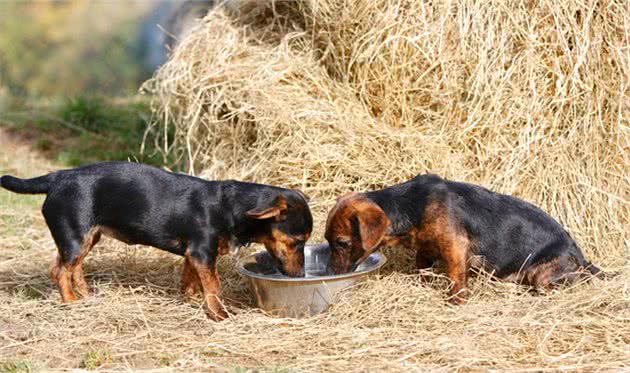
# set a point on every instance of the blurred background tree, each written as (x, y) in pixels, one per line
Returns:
(52, 48)
(70, 71)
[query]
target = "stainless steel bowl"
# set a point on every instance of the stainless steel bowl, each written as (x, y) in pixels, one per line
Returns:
(302, 296)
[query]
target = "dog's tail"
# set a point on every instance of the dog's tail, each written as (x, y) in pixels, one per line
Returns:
(35, 185)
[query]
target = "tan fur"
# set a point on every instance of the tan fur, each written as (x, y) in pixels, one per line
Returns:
(439, 236)
(67, 276)
(211, 285)
(281, 246)
(190, 284)
(436, 238)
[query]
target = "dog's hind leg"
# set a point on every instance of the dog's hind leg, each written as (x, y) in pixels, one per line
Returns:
(556, 272)
(90, 239)
(63, 266)
(67, 230)
(61, 275)
(54, 270)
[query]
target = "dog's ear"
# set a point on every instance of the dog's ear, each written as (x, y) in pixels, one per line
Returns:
(306, 198)
(276, 209)
(371, 226)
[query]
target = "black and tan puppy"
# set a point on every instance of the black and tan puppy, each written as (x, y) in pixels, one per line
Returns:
(184, 215)
(461, 224)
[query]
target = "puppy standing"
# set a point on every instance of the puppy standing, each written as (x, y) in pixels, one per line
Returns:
(461, 224)
(184, 215)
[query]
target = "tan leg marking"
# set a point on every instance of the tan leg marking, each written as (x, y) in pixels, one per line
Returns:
(78, 276)
(54, 270)
(61, 276)
(456, 258)
(190, 281)
(211, 285)
(64, 281)
(555, 272)
(452, 245)
(78, 280)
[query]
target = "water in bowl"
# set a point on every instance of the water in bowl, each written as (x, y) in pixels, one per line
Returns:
(315, 266)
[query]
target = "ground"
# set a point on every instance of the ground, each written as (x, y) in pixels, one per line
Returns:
(136, 318)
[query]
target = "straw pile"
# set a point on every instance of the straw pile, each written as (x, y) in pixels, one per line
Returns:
(527, 98)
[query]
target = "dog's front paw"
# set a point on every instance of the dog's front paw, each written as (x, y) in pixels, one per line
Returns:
(190, 290)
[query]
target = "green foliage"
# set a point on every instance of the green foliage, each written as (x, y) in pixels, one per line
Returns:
(86, 50)
(70, 47)
(166, 360)
(85, 113)
(86, 129)
(28, 292)
(17, 366)
(95, 358)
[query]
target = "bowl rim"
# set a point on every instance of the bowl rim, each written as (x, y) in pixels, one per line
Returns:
(382, 259)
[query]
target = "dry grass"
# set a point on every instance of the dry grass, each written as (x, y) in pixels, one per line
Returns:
(527, 98)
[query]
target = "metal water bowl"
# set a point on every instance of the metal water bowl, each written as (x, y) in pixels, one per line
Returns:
(302, 296)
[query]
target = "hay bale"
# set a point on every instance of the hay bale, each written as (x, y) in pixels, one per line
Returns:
(526, 98)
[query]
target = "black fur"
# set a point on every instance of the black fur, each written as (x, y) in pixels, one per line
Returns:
(149, 206)
(35, 185)
(510, 234)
